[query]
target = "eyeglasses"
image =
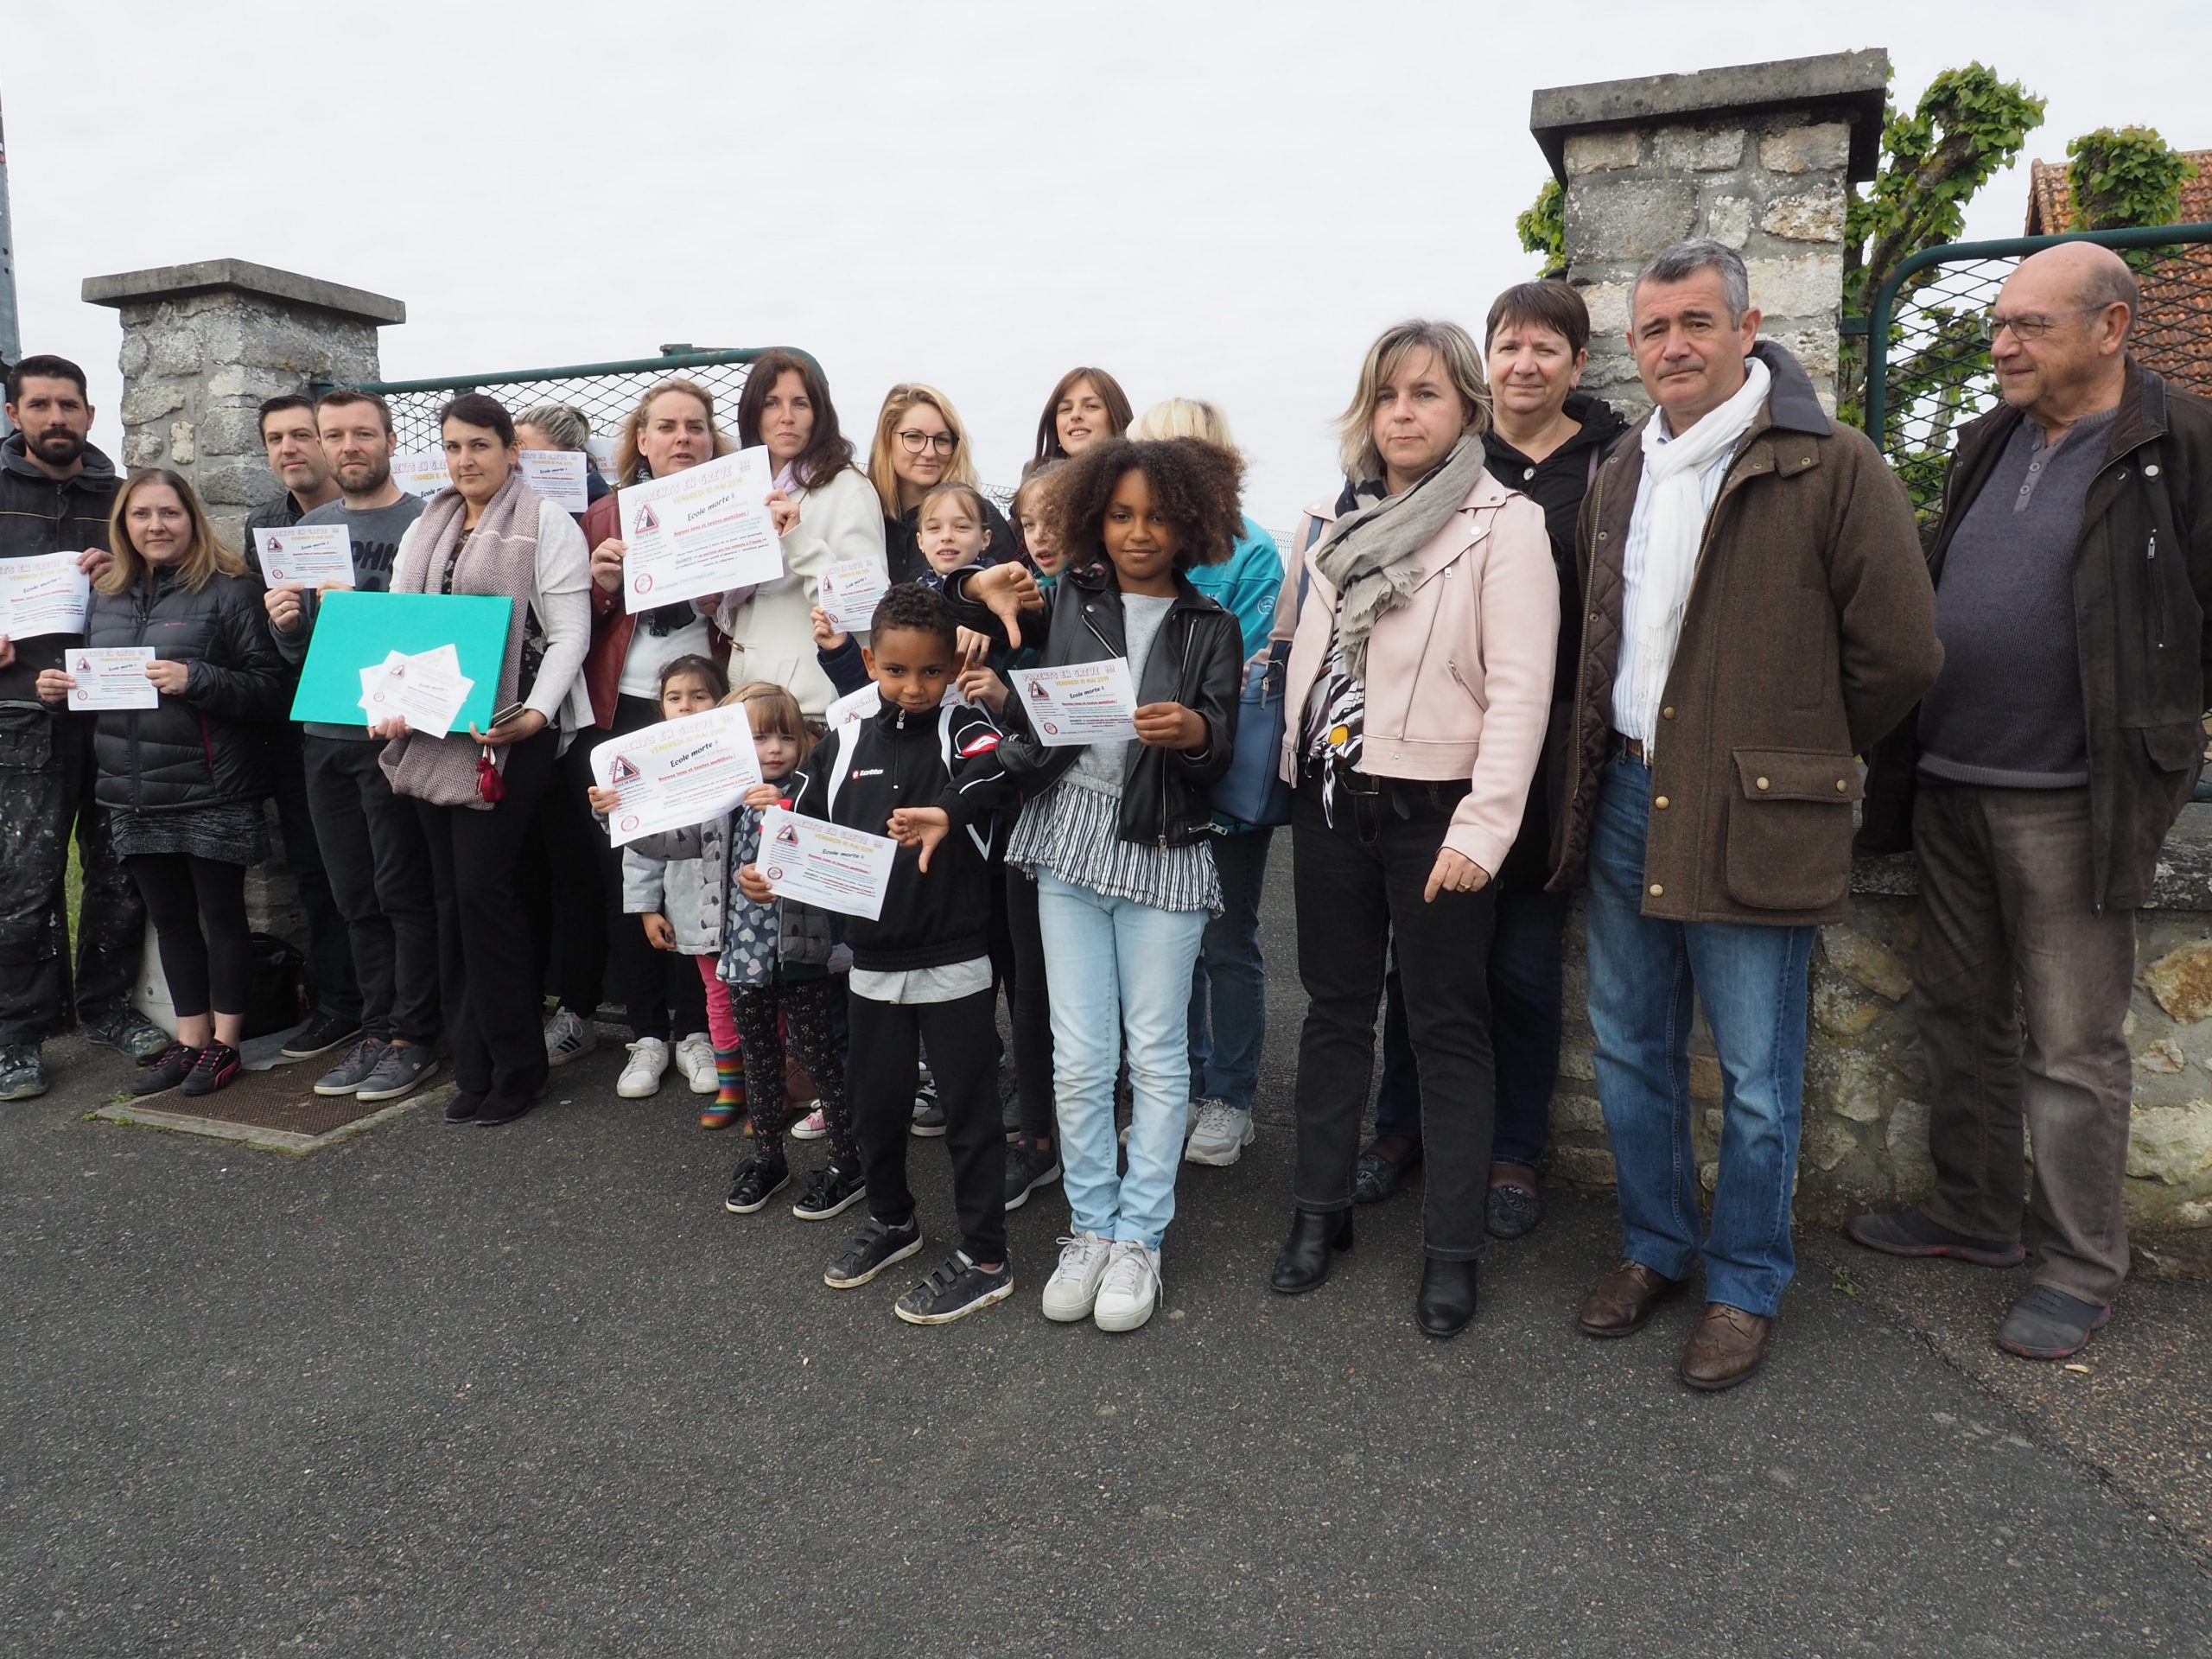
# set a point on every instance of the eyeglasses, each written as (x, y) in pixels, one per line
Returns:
(915, 440)
(1989, 325)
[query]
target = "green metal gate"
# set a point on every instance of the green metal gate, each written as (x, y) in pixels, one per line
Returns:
(1927, 366)
(605, 392)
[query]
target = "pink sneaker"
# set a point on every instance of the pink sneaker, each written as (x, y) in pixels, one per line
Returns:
(812, 1127)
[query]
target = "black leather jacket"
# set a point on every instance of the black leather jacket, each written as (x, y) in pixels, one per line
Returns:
(1197, 660)
(205, 747)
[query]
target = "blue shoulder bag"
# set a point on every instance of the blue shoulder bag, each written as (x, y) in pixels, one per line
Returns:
(1252, 792)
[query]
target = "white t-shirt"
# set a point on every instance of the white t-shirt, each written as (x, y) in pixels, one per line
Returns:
(649, 652)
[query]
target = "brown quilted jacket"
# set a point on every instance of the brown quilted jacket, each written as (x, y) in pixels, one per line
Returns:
(1810, 631)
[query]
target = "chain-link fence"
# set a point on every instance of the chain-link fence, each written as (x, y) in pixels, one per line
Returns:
(1928, 368)
(605, 392)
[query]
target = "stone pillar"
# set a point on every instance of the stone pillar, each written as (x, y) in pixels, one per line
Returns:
(1759, 157)
(203, 344)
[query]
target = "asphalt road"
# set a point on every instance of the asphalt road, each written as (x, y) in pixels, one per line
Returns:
(531, 1391)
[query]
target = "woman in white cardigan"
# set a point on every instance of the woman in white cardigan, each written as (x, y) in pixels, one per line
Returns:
(476, 792)
(833, 518)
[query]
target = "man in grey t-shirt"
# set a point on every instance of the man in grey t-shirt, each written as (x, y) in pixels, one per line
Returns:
(372, 843)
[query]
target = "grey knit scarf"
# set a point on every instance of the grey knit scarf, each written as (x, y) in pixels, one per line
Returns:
(501, 558)
(1369, 555)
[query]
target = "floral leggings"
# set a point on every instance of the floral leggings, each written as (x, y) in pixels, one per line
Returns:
(809, 1009)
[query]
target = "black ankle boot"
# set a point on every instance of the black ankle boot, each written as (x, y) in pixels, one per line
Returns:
(1303, 1262)
(1446, 1301)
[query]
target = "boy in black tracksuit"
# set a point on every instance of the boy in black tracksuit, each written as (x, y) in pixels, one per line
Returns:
(928, 775)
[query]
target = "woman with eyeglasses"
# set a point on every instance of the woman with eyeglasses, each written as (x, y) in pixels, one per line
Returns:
(919, 444)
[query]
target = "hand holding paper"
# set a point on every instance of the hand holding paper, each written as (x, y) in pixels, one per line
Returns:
(45, 594)
(824, 865)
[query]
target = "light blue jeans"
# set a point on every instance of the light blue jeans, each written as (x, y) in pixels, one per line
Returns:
(1120, 977)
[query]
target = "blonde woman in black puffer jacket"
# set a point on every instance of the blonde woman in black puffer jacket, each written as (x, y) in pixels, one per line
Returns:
(185, 780)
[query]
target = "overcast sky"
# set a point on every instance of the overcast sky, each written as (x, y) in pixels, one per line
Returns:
(1220, 201)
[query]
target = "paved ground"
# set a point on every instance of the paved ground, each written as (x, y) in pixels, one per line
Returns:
(531, 1390)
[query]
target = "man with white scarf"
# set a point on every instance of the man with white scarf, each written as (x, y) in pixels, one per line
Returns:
(1759, 613)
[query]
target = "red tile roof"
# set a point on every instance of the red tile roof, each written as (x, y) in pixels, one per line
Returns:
(2174, 335)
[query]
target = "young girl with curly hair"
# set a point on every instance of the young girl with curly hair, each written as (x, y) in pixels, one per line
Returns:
(1117, 833)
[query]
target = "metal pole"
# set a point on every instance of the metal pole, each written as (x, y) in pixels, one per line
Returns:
(11, 342)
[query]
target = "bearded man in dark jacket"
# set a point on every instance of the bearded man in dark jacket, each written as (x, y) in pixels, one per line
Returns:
(55, 490)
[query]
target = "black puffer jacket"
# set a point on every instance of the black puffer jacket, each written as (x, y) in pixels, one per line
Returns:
(1198, 660)
(41, 515)
(203, 747)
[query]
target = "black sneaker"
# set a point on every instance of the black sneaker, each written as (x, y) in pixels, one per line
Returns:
(1030, 1164)
(2047, 1324)
(172, 1067)
(464, 1106)
(130, 1032)
(957, 1289)
(833, 1191)
(501, 1106)
(759, 1179)
(929, 1113)
(401, 1069)
(876, 1248)
(350, 1073)
(321, 1034)
(22, 1071)
(217, 1067)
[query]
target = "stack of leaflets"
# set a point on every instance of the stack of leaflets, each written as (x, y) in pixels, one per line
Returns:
(426, 691)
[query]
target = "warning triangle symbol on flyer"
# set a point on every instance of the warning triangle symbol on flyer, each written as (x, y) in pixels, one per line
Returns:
(622, 771)
(646, 519)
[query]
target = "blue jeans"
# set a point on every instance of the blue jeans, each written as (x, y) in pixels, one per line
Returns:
(1120, 973)
(1229, 986)
(1527, 976)
(1751, 981)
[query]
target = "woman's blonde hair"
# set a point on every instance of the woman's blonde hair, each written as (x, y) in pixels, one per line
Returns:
(781, 708)
(207, 556)
(1185, 417)
(633, 425)
(1463, 366)
(897, 402)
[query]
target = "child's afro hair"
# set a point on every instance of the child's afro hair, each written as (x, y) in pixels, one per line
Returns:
(1194, 485)
(910, 605)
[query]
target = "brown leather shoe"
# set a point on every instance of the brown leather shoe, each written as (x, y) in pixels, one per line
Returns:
(1725, 1348)
(1622, 1303)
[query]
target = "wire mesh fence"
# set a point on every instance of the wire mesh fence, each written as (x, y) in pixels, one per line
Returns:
(1931, 373)
(605, 393)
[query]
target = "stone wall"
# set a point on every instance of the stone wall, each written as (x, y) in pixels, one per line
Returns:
(1865, 1114)
(204, 344)
(1771, 186)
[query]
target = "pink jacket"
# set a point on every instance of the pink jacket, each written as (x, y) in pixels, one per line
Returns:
(1459, 677)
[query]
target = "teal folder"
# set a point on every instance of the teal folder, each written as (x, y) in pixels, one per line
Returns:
(357, 631)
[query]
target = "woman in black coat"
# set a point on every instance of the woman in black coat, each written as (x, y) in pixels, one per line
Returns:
(185, 779)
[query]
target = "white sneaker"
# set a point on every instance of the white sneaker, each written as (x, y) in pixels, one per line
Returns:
(695, 1058)
(569, 1036)
(812, 1127)
(641, 1072)
(1073, 1287)
(1131, 1289)
(1219, 1136)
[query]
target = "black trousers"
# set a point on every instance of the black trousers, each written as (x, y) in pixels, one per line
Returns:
(886, 1040)
(492, 1027)
(46, 795)
(569, 906)
(661, 988)
(1032, 1008)
(330, 946)
(199, 909)
(1358, 882)
(379, 869)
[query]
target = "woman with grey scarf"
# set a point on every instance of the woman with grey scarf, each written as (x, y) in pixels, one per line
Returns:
(1422, 622)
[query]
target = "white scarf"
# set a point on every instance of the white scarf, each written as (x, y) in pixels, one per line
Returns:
(1672, 504)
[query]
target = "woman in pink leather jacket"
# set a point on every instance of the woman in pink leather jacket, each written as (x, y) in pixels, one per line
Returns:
(1423, 618)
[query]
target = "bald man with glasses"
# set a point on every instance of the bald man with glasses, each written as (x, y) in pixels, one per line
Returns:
(2073, 575)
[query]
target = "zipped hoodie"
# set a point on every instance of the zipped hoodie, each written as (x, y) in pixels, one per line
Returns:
(946, 757)
(41, 515)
